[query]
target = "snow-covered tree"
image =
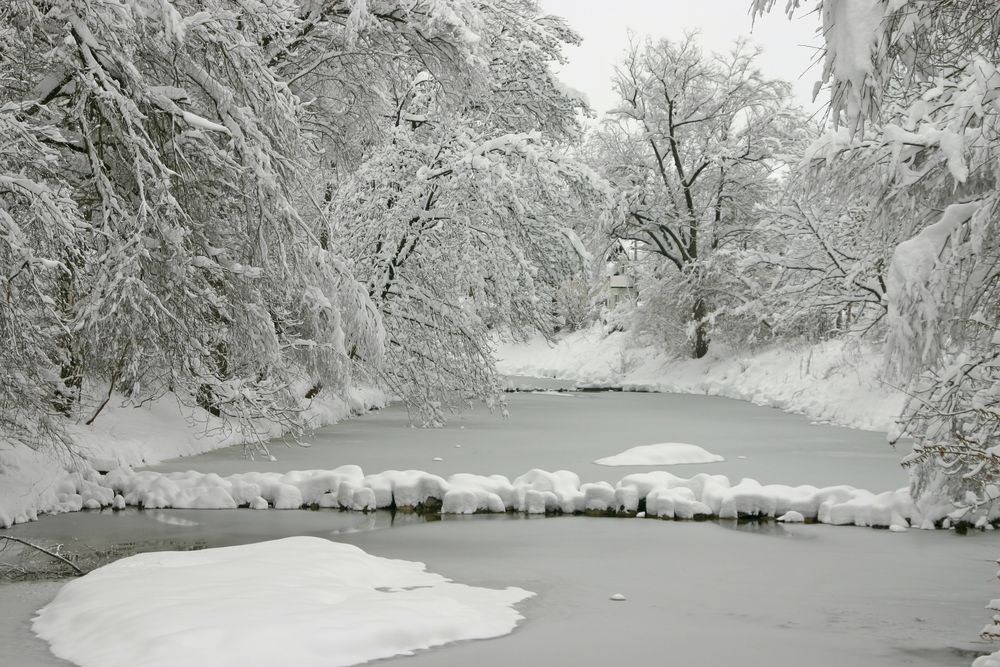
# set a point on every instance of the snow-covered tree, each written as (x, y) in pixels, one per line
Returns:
(39, 228)
(174, 154)
(692, 146)
(919, 82)
(818, 264)
(181, 182)
(458, 221)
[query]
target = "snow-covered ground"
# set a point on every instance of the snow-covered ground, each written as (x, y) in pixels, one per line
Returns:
(53, 481)
(835, 381)
(295, 601)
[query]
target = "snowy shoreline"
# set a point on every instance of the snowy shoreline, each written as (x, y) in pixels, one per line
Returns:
(810, 380)
(36, 482)
(835, 382)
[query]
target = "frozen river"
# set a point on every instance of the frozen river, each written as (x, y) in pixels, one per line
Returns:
(697, 593)
(568, 431)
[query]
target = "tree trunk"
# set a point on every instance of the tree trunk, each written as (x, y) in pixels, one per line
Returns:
(701, 337)
(72, 383)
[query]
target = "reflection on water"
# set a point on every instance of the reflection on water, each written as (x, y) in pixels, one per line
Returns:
(163, 517)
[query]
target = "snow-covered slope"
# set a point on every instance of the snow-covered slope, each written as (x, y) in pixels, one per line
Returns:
(835, 381)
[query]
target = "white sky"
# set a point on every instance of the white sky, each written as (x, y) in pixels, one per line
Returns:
(789, 44)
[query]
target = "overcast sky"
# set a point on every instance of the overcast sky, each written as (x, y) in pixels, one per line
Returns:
(789, 44)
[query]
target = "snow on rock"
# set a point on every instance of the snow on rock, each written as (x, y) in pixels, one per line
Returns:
(409, 489)
(538, 492)
(468, 494)
(598, 497)
(330, 604)
(663, 454)
(792, 516)
(675, 503)
(655, 494)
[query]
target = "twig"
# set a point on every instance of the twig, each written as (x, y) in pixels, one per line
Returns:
(44, 551)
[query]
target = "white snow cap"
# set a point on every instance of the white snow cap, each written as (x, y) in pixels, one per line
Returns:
(296, 601)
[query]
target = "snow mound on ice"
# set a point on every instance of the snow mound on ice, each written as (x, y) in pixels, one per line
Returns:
(328, 603)
(663, 454)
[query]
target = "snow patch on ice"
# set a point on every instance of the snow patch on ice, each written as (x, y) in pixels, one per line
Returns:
(329, 603)
(664, 454)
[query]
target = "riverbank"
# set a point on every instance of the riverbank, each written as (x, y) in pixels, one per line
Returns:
(836, 381)
(57, 480)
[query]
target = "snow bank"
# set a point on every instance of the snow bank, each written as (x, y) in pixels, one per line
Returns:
(664, 454)
(296, 601)
(33, 483)
(53, 481)
(656, 494)
(587, 356)
(834, 381)
(163, 429)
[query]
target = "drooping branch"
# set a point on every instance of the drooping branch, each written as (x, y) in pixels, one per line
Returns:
(47, 552)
